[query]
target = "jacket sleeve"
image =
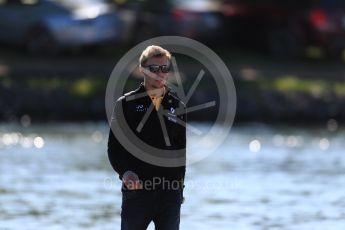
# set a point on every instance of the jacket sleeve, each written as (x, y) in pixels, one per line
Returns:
(181, 138)
(117, 154)
(184, 146)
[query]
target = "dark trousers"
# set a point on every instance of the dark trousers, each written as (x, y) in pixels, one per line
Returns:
(140, 207)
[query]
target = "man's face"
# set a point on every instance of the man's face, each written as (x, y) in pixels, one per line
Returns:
(155, 80)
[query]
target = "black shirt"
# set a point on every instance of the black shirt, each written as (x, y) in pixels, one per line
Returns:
(163, 129)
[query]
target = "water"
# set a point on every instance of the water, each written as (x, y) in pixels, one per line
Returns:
(57, 176)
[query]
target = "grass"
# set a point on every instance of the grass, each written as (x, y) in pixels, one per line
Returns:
(290, 83)
(83, 87)
(89, 86)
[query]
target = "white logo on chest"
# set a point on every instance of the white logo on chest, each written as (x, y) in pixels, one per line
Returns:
(172, 116)
(140, 108)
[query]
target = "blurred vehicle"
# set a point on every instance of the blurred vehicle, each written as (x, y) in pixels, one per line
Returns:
(47, 26)
(144, 19)
(285, 28)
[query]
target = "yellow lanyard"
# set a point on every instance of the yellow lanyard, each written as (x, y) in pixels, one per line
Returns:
(157, 100)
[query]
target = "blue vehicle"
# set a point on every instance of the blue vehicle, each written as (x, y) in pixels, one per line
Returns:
(47, 26)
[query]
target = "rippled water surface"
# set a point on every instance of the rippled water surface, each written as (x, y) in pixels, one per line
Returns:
(57, 176)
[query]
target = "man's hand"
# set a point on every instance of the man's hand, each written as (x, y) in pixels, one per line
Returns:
(131, 180)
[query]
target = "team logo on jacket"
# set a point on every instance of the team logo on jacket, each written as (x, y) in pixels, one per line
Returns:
(172, 116)
(140, 108)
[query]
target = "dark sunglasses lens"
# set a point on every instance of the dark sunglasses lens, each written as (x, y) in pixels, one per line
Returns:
(154, 68)
(165, 68)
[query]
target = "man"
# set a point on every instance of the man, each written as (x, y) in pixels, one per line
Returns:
(150, 191)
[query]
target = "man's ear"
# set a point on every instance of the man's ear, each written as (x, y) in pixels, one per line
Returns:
(145, 71)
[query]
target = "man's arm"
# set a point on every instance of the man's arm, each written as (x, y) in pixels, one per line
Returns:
(117, 154)
(184, 138)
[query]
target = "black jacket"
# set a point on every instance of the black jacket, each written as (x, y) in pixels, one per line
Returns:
(133, 106)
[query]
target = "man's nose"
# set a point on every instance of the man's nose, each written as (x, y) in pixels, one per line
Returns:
(161, 74)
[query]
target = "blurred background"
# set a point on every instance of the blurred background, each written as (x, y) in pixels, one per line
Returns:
(282, 165)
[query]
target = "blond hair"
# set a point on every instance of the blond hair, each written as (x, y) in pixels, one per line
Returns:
(153, 51)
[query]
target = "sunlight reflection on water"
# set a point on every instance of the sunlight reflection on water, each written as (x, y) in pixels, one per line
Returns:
(57, 176)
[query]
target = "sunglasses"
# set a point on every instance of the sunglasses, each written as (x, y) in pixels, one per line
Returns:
(156, 68)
